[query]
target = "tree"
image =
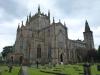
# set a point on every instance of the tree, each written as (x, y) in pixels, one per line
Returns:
(99, 49)
(92, 55)
(6, 50)
(99, 53)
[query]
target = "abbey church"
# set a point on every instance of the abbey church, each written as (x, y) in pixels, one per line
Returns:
(40, 40)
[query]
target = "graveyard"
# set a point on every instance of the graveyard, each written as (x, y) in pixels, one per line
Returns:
(4, 70)
(69, 69)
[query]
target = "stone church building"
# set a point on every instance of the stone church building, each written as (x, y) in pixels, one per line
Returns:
(46, 42)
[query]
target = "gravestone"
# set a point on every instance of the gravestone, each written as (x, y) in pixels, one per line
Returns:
(0, 72)
(10, 68)
(98, 67)
(87, 69)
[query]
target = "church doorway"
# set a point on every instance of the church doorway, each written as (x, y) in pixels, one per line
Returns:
(20, 60)
(61, 58)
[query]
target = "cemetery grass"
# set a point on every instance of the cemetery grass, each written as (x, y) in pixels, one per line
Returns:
(34, 71)
(4, 70)
(94, 70)
(76, 69)
(63, 69)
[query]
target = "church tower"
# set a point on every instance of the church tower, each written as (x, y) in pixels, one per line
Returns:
(88, 37)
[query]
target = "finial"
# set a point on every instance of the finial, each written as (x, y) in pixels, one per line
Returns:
(48, 13)
(18, 25)
(64, 23)
(59, 20)
(27, 20)
(38, 8)
(30, 16)
(22, 23)
(53, 20)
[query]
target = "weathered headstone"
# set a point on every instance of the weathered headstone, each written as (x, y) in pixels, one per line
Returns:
(20, 71)
(10, 68)
(98, 67)
(0, 72)
(87, 69)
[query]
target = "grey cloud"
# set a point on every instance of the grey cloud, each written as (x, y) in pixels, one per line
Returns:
(8, 31)
(77, 6)
(12, 9)
(86, 9)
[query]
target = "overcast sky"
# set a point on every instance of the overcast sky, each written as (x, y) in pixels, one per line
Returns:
(73, 12)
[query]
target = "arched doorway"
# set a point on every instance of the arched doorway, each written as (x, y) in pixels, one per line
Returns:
(61, 57)
(20, 60)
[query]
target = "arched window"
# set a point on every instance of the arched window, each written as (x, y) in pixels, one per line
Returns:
(39, 51)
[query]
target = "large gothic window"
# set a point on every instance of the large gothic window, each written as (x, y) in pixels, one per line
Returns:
(39, 51)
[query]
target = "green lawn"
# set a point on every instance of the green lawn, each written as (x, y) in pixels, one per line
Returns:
(4, 70)
(94, 70)
(32, 71)
(65, 69)
(43, 70)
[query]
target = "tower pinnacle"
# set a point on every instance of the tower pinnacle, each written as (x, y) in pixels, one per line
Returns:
(30, 16)
(64, 23)
(59, 21)
(87, 28)
(53, 20)
(88, 37)
(18, 26)
(22, 24)
(49, 13)
(39, 9)
(27, 20)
